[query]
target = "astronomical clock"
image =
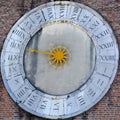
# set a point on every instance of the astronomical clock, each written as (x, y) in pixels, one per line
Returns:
(59, 60)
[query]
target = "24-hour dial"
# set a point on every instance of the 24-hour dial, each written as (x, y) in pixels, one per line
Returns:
(59, 60)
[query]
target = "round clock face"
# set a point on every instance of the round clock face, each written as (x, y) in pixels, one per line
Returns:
(59, 60)
(70, 63)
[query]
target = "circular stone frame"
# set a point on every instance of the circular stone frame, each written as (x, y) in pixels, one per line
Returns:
(64, 106)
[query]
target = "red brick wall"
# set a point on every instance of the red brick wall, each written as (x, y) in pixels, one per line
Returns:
(109, 107)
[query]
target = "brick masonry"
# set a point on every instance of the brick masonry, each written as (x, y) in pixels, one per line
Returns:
(109, 107)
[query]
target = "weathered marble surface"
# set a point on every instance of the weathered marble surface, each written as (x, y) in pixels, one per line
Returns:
(74, 73)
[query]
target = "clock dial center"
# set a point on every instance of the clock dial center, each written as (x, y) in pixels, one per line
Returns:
(59, 56)
(62, 59)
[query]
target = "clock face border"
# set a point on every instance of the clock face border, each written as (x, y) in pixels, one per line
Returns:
(51, 106)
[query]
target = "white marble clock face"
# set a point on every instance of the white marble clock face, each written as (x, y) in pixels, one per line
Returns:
(59, 60)
(69, 77)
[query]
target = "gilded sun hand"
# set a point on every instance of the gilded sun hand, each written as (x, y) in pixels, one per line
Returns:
(58, 56)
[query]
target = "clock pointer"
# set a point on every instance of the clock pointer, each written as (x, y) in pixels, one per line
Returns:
(39, 51)
(58, 56)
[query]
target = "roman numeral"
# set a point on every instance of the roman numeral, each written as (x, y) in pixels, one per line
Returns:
(44, 104)
(75, 13)
(106, 45)
(56, 106)
(94, 25)
(62, 10)
(28, 24)
(13, 57)
(107, 58)
(91, 92)
(15, 45)
(50, 13)
(84, 19)
(102, 34)
(19, 33)
(81, 100)
(23, 92)
(12, 69)
(31, 101)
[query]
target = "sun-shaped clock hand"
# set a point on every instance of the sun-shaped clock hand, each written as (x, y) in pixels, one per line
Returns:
(58, 56)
